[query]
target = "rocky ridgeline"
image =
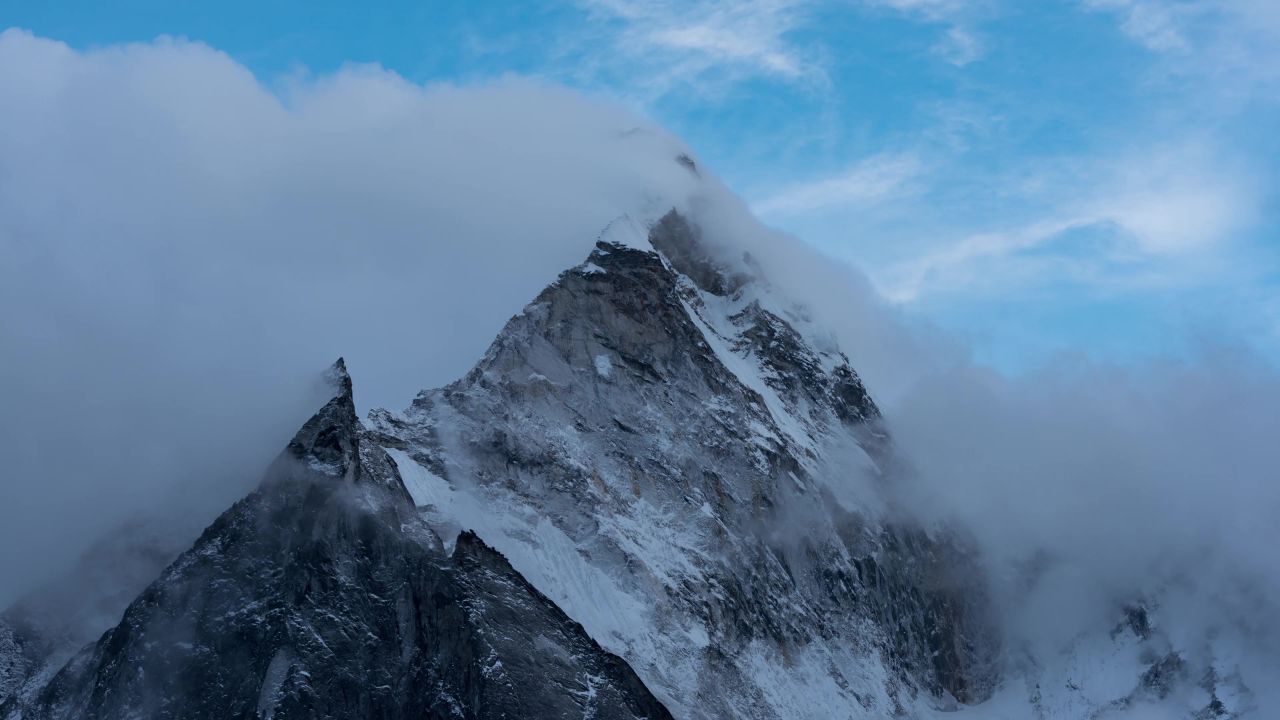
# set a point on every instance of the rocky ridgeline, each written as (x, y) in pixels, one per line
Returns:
(659, 493)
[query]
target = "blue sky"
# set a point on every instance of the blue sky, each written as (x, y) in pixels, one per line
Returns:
(1089, 176)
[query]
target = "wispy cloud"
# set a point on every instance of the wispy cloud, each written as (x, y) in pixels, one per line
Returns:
(873, 180)
(938, 9)
(693, 42)
(1157, 25)
(1165, 213)
(960, 43)
(668, 44)
(1234, 45)
(959, 46)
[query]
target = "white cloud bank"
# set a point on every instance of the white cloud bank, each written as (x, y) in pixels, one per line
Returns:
(181, 250)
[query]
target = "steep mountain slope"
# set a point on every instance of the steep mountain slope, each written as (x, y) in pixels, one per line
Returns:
(681, 462)
(322, 595)
(45, 628)
(1135, 670)
(663, 489)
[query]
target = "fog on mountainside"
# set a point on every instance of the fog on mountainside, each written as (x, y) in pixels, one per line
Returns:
(186, 249)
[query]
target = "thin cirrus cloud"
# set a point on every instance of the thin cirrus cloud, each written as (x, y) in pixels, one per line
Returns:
(1231, 46)
(1114, 184)
(959, 45)
(688, 43)
(1157, 25)
(1162, 217)
(1172, 211)
(871, 181)
(708, 42)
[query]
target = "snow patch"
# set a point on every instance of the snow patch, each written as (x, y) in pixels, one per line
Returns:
(425, 487)
(627, 232)
(748, 372)
(604, 366)
(273, 682)
(553, 563)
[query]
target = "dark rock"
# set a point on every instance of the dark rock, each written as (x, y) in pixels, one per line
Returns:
(322, 595)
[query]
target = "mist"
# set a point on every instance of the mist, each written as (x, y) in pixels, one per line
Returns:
(1092, 488)
(1087, 488)
(183, 249)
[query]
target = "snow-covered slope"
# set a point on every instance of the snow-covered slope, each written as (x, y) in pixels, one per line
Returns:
(322, 594)
(670, 452)
(663, 489)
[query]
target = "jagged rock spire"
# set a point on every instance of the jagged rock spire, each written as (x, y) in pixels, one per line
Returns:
(337, 376)
(329, 441)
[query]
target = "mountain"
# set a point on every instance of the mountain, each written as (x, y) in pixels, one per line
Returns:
(663, 491)
(683, 463)
(323, 594)
(44, 629)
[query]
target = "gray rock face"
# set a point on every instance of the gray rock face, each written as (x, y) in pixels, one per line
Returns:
(658, 494)
(671, 453)
(323, 594)
(660, 465)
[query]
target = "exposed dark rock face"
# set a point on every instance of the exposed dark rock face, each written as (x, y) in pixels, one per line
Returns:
(659, 493)
(19, 658)
(678, 241)
(322, 595)
(664, 417)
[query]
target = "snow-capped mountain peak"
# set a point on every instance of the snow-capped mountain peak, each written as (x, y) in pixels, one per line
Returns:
(641, 441)
(661, 492)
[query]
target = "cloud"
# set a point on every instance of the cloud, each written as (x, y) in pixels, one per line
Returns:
(182, 249)
(1230, 48)
(869, 181)
(662, 46)
(692, 43)
(960, 45)
(932, 9)
(1172, 209)
(1157, 25)
(1085, 487)
(1146, 483)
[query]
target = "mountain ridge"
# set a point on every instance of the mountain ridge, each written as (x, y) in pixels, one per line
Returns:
(662, 483)
(319, 594)
(670, 413)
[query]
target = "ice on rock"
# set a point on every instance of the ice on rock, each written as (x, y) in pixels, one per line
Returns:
(628, 232)
(659, 491)
(604, 366)
(658, 508)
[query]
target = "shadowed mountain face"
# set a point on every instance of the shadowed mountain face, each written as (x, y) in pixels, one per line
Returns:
(323, 594)
(678, 458)
(40, 632)
(660, 493)
(660, 456)
(660, 464)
